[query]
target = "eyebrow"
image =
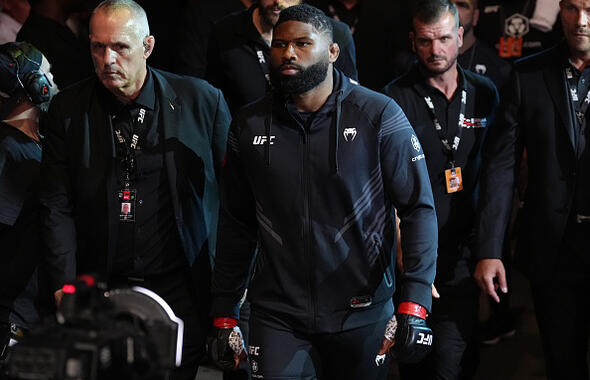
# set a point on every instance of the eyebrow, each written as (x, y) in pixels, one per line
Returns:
(294, 39)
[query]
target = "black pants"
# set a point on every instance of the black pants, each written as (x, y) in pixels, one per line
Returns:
(276, 351)
(178, 290)
(454, 322)
(562, 308)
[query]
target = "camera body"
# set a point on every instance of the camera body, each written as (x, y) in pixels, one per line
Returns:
(126, 333)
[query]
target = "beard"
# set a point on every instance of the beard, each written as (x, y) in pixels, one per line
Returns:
(307, 78)
(268, 16)
(467, 27)
(436, 70)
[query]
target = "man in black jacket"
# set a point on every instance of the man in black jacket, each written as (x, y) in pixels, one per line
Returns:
(145, 137)
(238, 60)
(544, 110)
(451, 110)
(312, 174)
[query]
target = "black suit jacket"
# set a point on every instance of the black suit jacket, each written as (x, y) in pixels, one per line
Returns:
(535, 114)
(79, 152)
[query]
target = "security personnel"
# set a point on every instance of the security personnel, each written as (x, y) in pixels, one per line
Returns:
(545, 111)
(129, 174)
(476, 55)
(451, 110)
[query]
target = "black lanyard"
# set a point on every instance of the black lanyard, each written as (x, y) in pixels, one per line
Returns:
(263, 65)
(450, 149)
(128, 149)
(580, 109)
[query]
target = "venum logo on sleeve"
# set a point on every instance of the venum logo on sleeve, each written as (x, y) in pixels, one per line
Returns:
(417, 146)
(415, 143)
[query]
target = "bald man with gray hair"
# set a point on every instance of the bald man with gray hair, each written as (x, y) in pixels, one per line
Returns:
(130, 174)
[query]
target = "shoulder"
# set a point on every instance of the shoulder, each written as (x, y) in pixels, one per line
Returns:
(342, 34)
(12, 142)
(75, 97)
(401, 88)
(491, 56)
(539, 61)
(480, 83)
(257, 110)
(374, 105)
(185, 84)
(231, 22)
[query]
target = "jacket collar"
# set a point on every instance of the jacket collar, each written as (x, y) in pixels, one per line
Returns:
(423, 88)
(554, 75)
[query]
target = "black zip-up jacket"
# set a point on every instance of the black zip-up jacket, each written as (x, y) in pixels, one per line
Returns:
(316, 197)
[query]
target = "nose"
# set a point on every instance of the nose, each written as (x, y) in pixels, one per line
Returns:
(289, 53)
(108, 56)
(436, 47)
(582, 20)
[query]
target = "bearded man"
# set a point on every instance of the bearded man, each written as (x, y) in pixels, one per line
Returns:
(312, 174)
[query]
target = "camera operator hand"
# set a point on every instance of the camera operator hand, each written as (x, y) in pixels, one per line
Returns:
(408, 334)
(227, 345)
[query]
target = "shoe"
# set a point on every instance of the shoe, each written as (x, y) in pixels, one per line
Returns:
(495, 329)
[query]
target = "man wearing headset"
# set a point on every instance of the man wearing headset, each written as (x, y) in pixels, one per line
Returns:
(26, 87)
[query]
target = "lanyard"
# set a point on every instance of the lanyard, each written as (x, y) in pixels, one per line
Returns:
(580, 109)
(450, 149)
(263, 66)
(128, 149)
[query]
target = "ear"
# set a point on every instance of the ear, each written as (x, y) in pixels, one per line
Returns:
(148, 46)
(334, 51)
(411, 37)
(460, 36)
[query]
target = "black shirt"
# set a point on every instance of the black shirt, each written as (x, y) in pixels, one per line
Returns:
(20, 237)
(483, 60)
(456, 212)
(150, 245)
(582, 199)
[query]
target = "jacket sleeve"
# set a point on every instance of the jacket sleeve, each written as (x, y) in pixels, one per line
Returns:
(407, 184)
(57, 218)
(498, 173)
(220, 131)
(236, 239)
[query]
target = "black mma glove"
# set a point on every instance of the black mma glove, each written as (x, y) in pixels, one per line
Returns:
(413, 339)
(226, 347)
